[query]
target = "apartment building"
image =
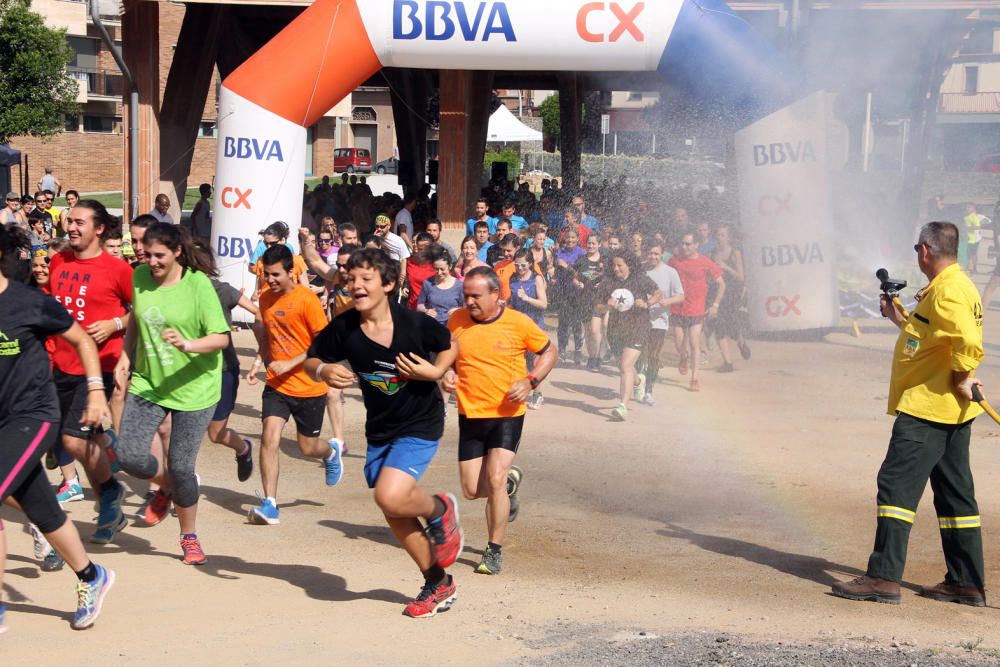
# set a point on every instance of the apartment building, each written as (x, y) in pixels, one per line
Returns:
(89, 154)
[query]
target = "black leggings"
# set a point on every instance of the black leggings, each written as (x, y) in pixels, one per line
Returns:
(23, 442)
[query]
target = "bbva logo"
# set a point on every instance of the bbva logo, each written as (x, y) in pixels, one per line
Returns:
(779, 153)
(244, 148)
(441, 18)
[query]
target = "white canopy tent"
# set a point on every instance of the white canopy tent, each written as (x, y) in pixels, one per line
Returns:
(504, 127)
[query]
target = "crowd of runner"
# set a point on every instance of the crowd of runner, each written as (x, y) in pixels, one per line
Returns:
(124, 359)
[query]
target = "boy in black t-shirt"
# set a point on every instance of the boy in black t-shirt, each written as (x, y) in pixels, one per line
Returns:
(389, 348)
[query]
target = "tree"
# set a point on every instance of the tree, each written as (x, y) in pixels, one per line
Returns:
(36, 90)
(549, 111)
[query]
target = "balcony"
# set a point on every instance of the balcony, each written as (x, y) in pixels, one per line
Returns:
(969, 103)
(99, 84)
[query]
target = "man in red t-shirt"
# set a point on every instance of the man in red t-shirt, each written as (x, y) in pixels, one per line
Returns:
(96, 289)
(688, 317)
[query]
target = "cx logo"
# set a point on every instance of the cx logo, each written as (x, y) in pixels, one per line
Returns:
(626, 22)
(774, 205)
(234, 198)
(782, 306)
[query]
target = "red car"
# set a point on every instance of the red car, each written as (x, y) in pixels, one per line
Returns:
(352, 160)
(989, 163)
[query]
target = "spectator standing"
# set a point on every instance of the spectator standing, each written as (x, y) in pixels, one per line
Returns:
(201, 216)
(161, 209)
(48, 181)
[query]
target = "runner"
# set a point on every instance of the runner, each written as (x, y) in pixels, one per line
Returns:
(528, 296)
(389, 347)
(671, 292)
(566, 295)
(688, 317)
(29, 418)
(588, 271)
(492, 382)
(627, 295)
(339, 301)
(176, 338)
(95, 288)
(442, 294)
(291, 317)
(137, 228)
(469, 257)
(218, 428)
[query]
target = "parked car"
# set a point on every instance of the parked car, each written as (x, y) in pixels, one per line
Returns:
(352, 160)
(989, 163)
(390, 166)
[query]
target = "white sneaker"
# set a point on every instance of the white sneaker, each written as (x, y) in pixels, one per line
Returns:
(42, 546)
(639, 389)
(649, 400)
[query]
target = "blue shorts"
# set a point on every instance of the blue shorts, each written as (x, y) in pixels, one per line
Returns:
(411, 455)
(227, 401)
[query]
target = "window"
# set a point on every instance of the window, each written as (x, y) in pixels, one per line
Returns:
(971, 78)
(108, 124)
(72, 123)
(364, 153)
(207, 130)
(634, 97)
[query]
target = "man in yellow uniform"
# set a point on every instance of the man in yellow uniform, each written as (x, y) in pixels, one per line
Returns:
(930, 394)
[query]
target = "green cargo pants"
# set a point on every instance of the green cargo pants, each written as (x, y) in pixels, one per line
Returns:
(920, 449)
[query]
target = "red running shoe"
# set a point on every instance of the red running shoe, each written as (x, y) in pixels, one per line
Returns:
(445, 534)
(193, 555)
(157, 508)
(432, 599)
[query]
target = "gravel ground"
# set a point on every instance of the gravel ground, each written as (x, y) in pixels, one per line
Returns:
(637, 648)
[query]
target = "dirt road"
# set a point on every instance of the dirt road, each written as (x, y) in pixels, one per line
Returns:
(728, 511)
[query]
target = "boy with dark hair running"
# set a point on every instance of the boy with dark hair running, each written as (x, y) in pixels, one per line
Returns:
(390, 348)
(291, 316)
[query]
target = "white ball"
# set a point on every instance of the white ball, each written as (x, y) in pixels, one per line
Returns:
(623, 300)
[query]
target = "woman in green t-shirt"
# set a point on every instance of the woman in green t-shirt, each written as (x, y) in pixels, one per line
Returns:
(176, 334)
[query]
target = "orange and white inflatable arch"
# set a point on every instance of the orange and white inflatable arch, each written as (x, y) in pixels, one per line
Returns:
(266, 105)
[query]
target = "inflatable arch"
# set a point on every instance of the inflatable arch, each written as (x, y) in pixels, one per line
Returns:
(266, 105)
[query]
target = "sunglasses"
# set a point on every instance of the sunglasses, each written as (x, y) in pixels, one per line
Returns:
(916, 248)
(325, 241)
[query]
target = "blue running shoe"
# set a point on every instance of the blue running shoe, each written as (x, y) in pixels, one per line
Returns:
(334, 464)
(90, 598)
(110, 518)
(265, 515)
(3, 624)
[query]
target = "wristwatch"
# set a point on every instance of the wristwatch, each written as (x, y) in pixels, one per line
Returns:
(534, 381)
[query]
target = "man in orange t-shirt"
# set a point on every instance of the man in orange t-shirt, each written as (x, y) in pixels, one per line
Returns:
(492, 382)
(291, 316)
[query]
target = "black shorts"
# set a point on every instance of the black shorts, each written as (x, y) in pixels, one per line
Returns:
(72, 392)
(308, 411)
(685, 321)
(227, 400)
(633, 340)
(477, 436)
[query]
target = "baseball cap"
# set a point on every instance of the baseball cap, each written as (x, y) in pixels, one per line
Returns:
(382, 218)
(278, 228)
(13, 195)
